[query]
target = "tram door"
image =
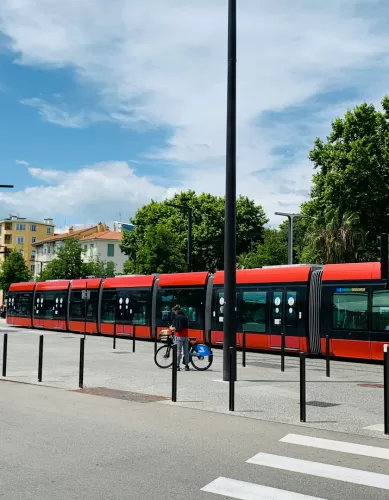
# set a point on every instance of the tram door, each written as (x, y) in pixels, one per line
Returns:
(285, 317)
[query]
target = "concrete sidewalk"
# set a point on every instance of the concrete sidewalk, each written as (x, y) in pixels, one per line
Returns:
(350, 401)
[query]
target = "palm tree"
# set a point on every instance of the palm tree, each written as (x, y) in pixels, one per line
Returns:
(335, 237)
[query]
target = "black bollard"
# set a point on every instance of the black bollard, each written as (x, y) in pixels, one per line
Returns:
(5, 350)
(244, 349)
(303, 416)
(386, 390)
(282, 352)
(114, 335)
(174, 374)
(81, 372)
(133, 337)
(232, 381)
(40, 361)
(327, 356)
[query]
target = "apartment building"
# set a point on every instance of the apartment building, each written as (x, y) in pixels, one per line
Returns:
(46, 248)
(21, 234)
(97, 241)
(105, 246)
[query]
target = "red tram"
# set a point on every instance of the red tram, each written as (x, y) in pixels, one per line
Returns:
(348, 302)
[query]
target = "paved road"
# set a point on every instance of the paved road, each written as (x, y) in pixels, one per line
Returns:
(350, 401)
(59, 445)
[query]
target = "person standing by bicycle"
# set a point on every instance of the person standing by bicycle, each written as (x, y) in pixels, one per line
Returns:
(180, 326)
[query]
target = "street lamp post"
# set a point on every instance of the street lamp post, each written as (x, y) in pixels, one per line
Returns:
(189, 212)
(6, 186)
(291, 218)
(229, 322)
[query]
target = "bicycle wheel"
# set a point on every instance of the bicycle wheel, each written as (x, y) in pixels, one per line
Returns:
(201, 357)
(164, 357)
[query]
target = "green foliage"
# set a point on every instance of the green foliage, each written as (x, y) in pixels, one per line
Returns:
(13, 270)
(159, 253)
(353, 173)
(165, 228)
(335, 238)
(273, 251)
(100, 268)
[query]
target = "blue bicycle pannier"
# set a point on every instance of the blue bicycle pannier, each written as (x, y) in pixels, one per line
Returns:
(202, 350)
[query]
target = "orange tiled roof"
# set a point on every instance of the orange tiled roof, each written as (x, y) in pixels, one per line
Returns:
(104, 235)
(62, 236)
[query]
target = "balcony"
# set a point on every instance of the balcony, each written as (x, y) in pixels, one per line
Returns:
(7, 226)
(7, 239)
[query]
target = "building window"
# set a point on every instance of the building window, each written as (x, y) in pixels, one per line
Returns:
(110, 250)
(92, 248)
(33, 228)
(33, 239)
(20, 240)
(48, 230)
(20, 227)
(32, 267)
(48, 249)
(350, 310)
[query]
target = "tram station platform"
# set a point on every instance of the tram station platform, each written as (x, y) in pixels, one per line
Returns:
(351, 400)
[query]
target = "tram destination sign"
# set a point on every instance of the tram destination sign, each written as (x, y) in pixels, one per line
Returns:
(342, 290)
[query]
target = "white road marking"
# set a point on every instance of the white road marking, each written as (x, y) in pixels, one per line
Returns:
(354, 476)
(375, 427)
(341, 446)
(241, 490)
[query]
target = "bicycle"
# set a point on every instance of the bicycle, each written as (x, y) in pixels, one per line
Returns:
(197, 352)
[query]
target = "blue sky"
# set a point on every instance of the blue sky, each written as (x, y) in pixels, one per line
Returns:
(107, 106)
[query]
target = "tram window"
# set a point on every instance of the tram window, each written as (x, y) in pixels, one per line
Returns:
(350, 311)
(291, 315)
(277, 308)
(191, 301)
(19, 304)
(50, 305)
(108, 306)
(252, 311)
(381, 310)
(77, 305)
(140, 307)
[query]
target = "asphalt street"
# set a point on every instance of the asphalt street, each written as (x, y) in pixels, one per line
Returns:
(61, 444)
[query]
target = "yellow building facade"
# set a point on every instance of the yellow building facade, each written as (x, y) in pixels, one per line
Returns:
(21, 234)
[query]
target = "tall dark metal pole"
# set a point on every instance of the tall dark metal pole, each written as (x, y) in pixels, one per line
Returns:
(189, 240)
(230, 209)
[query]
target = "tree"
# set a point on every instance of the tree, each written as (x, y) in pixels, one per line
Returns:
(208, 231)
(353, 172)
(100, 268)
(67, 264)
(335, 238)
(273, 251)
(160, 253)
(13, 270)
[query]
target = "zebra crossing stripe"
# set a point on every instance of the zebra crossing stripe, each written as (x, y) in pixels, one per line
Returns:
(371, 479)
(232, 488)
(340, 446)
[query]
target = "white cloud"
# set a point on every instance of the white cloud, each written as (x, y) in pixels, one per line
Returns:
(163, 64)
(89, 195)
(59, 115)
(22, 162)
